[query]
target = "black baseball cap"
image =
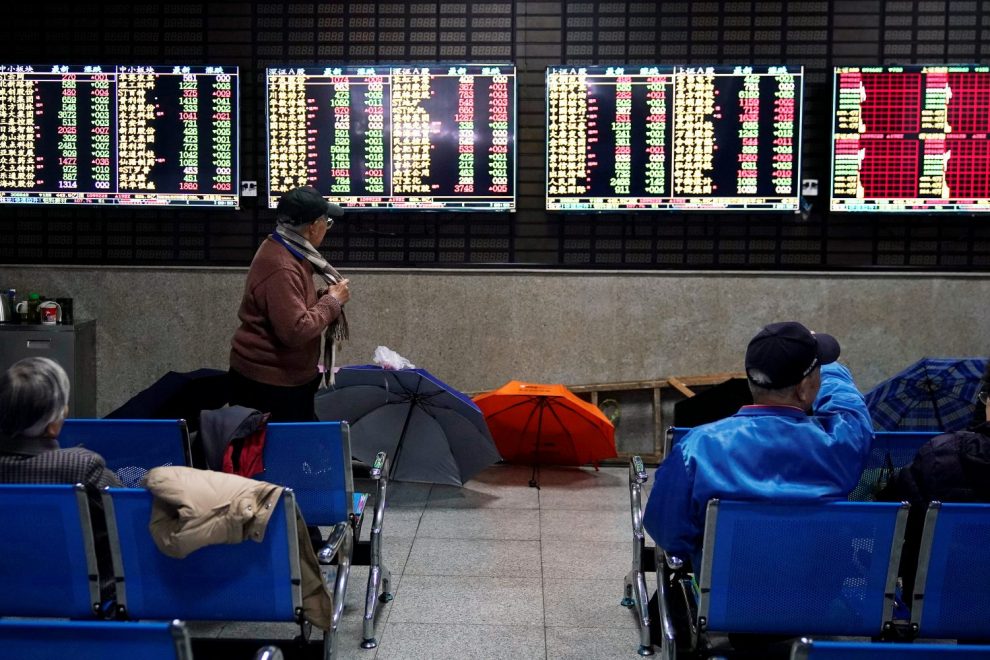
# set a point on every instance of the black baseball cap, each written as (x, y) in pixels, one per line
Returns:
(782, 354)
(303, 205)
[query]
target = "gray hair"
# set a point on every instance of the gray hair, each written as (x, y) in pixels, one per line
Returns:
(33, 393)
(763, 393)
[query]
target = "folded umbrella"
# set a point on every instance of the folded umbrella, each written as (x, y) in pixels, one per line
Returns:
(932, 394)
(546, 424)
(178, 396)
(431, 432)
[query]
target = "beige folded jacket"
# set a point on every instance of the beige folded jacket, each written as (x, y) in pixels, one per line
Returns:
(195, 508)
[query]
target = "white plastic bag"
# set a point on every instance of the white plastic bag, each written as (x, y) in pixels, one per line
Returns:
(389, 359)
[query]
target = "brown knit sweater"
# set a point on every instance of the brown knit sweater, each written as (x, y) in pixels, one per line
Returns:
(282, 319)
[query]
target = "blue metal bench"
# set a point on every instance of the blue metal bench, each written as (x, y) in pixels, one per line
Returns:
(750, 584)
(94, 640)
(130, 447)
(952, 588)
(806, 649)
(243, 582)
(99, 640)
(48, 565)
(812, 568)
(314, 459)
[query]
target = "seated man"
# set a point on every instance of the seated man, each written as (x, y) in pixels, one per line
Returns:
(772, 450)
(34, 400)
(952, 467)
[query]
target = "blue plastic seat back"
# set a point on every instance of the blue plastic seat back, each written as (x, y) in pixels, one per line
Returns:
(130, 447)
(46, 555)
(957, 589)
(802, 568)
(314, 460)
(93, 640)
(889, 450)
(885, 651)
(247, 581)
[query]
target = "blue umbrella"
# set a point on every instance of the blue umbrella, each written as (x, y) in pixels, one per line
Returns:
(932, 394)
(431, 432)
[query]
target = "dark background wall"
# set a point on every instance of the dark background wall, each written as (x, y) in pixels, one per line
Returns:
(818, 35)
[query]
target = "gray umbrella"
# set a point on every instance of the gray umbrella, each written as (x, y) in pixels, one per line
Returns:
(431, 432)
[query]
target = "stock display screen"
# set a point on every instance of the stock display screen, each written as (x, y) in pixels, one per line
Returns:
(413, 137)
(125, 135)
(673, 138)
(911, 139)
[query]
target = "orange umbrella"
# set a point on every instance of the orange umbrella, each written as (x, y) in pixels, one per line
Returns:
(546, 424)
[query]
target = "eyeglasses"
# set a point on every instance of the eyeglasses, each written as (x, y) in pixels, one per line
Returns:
(983, 396)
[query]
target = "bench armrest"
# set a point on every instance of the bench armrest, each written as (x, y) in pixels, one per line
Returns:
(380, 467)
(335, 541)
(269, 653)
(637, 477)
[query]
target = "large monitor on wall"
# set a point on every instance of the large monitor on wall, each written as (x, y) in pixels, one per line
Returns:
(125, 135)
(636, 137)
(911, 139)
(409, 137)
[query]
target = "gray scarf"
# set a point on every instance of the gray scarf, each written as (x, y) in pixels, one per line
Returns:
(338, 329)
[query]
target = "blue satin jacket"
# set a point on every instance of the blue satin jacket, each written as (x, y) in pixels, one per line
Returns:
(761, 453)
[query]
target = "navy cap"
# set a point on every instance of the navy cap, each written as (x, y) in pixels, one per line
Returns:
(303, 205)
(782, 354)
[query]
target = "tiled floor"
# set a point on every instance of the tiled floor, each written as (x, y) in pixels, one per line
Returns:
(497, 569)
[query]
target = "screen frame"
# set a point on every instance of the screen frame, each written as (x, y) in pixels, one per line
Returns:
(797, 210)
(272, 204)
(846, 210)
(69, 203)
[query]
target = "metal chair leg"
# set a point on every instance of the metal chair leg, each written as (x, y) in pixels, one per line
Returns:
(627, 599)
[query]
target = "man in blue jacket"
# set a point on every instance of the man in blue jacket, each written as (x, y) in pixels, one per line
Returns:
(806, 437)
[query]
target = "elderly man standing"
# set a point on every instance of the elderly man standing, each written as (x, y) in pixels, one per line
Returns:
(34, 400)
(806, 437)
(275, 351)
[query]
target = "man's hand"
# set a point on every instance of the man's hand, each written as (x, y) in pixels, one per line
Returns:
(341, 291)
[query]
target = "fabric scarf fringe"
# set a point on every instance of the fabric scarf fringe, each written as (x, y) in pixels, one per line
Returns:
(338, 330)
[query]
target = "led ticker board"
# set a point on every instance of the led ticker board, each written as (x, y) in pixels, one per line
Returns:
(437, 137)
(124, 135)
(668, 137)
(911, 139)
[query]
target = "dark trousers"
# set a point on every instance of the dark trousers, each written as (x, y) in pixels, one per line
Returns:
(286, 404)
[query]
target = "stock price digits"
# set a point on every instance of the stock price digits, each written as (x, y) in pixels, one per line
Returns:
(651, 137)
(118, 135)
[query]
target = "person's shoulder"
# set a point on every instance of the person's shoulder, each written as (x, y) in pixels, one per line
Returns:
(271, 252)
(272, 258)
(717, 429)
(720, 425)
(950, 443)
(80, 454)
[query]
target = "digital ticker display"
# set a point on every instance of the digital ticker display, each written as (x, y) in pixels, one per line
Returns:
(670, 137)
(125, 135)
(411, 137)
(911, 139)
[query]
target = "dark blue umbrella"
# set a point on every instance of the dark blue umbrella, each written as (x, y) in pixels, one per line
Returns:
(178, 396)
(933, 394)
(431, 432)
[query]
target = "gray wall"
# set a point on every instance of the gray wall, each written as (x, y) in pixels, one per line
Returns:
(478, 329)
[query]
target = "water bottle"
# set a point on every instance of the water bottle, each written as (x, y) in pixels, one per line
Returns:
(12, 315)
(34, 299)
